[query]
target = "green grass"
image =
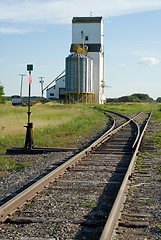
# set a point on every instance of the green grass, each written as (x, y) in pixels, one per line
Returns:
(131, 190)
(60, 125)
(28, 203)
(132, 108)
(157, 136)
(78, 128)
(157, 139)
(127, 108)
(140, 165)
(146, 202)
(50, 231)
(147, 154)
(157, 113)
(89, 204)
(55, 125)
(158, 168)
(8, 164)
(159, 228)
(140, 155)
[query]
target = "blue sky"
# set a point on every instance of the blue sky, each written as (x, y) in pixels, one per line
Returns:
(40, 32)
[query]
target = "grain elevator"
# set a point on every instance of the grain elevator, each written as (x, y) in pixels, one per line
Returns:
(84, 78)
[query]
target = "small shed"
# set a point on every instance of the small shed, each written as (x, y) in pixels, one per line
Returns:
(58, 90)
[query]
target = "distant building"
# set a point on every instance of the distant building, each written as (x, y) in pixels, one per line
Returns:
(84, 79)
(58, 90)
(88, 31)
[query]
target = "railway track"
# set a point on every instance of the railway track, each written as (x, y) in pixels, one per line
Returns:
(83, 202)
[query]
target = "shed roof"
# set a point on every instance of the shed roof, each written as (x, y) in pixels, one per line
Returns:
(87, 19)
(56, 81)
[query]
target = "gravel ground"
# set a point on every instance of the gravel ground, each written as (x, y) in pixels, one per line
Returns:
(57, 206)
(39, 164)
(141, 217)
(143, 198)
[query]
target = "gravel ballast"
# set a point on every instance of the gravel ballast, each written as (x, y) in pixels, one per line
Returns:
(141, 217)
(145, 182)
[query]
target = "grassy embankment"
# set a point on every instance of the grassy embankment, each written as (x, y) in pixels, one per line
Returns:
(55, 125)
(131, 108)
(58, 125)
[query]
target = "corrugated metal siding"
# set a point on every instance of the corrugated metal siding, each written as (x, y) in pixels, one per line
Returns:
(86, 79)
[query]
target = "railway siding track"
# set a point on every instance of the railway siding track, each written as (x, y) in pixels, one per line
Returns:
(115, 212)
(141, 214)
(91, 186)
(16, 202)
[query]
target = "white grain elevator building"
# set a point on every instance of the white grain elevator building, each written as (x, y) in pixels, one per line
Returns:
(87, 76)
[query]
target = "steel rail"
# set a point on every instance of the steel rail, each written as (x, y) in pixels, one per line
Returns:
(19, 200)
(115, 211)
(138, 130)
(108, 134)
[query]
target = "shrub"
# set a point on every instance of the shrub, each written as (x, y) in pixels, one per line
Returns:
(2, 98)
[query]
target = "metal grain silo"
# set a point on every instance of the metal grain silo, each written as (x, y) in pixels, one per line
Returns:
(88, 33)
(79, 77)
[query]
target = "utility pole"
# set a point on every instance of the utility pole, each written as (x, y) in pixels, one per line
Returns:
(41, 81)
(22, 75)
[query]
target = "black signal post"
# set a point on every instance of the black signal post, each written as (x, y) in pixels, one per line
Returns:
(29, 132)
(29, 146)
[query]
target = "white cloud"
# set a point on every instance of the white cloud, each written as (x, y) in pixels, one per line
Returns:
(9, 30)
(13, 31)
(62, 11)
(123, 65)
(149, 61)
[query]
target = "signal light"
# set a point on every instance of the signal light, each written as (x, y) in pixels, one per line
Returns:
(30, 67)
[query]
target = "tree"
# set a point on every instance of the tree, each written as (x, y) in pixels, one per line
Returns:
(124, 99)
(2, 98)
(158, 100)
(142, 97)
